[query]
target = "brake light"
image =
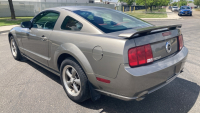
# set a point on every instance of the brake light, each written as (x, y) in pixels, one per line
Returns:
(140, 55)
(180, 39)
(103, 80)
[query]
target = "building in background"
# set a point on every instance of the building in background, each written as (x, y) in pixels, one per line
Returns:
(57, 1)
(33, 7)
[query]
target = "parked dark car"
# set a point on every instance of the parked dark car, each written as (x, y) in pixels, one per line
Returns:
(185, 10)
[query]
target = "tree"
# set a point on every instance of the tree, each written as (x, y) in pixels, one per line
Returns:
(151, 3)
(197, 2)
(11, 9)
(129, 2)
(190, 2)
(174, 4)
(182, 2)
(142, 2)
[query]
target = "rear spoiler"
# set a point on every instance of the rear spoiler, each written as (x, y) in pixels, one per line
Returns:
(148, 30)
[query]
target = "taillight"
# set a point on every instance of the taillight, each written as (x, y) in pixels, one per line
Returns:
(140, 55)
(103, 80)
(180, 39)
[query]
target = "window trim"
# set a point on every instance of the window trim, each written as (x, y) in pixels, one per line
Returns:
(70, 30)
(43, 12)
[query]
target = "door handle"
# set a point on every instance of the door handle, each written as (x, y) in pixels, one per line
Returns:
(43, 38)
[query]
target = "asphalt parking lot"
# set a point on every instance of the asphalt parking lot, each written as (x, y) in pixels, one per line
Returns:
(26, 87)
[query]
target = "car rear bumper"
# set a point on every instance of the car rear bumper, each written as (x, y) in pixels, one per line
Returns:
(132, 83)
(142, 94)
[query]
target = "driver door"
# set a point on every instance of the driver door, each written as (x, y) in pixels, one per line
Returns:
(36, 43)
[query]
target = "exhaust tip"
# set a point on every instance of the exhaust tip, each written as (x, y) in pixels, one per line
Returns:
(141, 96)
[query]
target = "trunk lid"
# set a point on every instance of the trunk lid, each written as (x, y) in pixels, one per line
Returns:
(162, 39)
(162, 46)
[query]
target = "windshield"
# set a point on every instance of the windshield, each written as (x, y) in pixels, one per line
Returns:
(175, 7)
(185, 8)
(111, 20)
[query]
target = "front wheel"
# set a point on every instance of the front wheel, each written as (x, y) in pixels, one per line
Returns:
(14, 49)
(74, 80)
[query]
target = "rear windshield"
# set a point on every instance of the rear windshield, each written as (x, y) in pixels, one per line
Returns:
(185, 8)
(109, 20)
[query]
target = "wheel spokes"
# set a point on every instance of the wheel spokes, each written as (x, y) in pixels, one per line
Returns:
(75, 88)
(13, 44)
(69, 74)
(72, 80)
(77, 81)
(69, 83)
(73, 72)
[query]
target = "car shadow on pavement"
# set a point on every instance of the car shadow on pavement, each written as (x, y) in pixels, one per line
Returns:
(44, 71)
(177, 97)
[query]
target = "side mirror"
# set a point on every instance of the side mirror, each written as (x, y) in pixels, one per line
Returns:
(26, 24)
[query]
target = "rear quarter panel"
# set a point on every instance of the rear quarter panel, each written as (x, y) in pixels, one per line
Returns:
(84, 42)
(112, 50)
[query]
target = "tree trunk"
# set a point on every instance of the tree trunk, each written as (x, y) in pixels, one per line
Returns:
(145, 5)
(151, 8)
(11, 9)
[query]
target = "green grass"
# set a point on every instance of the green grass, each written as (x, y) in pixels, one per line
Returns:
(160, 10)
(4, 21)
(156, 13)
(149, 15)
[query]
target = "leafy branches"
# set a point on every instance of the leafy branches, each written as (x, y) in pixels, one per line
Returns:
(151, 3)
(197, 2)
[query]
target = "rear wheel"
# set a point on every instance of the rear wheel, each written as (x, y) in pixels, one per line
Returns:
(74, 81)
(14, 49)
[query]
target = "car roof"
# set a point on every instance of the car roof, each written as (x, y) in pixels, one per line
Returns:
(73, 8)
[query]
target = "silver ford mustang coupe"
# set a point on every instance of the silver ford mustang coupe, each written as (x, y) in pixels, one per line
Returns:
(98, 51)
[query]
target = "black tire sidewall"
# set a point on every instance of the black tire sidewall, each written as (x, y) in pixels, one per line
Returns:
(84, 93)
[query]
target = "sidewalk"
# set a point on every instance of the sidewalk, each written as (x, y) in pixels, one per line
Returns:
(170, 16)
(6, 28)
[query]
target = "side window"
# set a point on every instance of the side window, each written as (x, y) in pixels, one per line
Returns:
(45, 20)
(70, 23)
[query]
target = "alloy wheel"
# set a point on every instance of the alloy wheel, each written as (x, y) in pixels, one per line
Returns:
(71, 80)
(13, 48)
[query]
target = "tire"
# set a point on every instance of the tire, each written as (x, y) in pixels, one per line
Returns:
(14, 49)
(190, 14)
(74, 80)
